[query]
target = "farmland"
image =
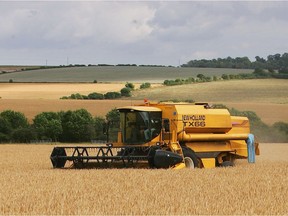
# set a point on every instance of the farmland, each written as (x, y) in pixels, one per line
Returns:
(267, 97)
(28, 185)
(114, 74)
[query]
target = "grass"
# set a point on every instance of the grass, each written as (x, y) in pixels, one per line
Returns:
(114, 74)
(237, 91)
(28, 185)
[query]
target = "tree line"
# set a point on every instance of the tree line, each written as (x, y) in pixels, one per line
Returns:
(200, 78)
(124, 92)
(272, 62)
(64, 126)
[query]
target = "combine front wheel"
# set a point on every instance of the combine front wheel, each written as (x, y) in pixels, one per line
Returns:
(190, 158)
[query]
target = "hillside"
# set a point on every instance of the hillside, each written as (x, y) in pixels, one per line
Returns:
(113, 74)
(268, 98)
(237, 91)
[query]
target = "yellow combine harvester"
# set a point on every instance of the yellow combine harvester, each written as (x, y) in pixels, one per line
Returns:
(168, 135)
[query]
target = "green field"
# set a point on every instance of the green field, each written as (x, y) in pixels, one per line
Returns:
(114, 74)
(237, 91)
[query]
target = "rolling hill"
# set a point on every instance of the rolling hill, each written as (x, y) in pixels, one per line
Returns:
(113, 74)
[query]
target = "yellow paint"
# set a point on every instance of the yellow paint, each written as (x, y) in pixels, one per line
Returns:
(179, 166)
(213, 132)
(208, 162)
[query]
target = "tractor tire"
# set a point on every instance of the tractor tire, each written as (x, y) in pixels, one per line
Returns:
(190, 158)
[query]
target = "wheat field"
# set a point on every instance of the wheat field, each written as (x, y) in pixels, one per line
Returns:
(28, 185)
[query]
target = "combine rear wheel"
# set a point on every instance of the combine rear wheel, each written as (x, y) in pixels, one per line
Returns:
(190, 158)
(227, 164)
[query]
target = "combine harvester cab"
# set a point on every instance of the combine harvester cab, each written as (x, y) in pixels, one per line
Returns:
(168, 136)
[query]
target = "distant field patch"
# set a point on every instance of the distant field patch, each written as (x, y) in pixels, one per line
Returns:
(114, 74)
(268, 112)
(32, 107)
(236, 91)
(54, 90)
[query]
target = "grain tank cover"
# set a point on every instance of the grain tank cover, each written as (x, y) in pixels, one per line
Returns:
(200, 119)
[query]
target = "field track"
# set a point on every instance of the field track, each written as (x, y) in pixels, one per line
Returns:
(28, 185)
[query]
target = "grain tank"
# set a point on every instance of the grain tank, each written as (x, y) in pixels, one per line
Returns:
(169, 135)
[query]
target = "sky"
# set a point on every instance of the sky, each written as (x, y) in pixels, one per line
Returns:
(139, 32)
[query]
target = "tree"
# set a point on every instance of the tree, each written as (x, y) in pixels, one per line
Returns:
(113, 116)
(99, 123)
(145, 85)
(23, 135)
(113, 120)
(48, 125)
(125, 92)
(15, 119)
(78, 126)
(112, 95)
(5, 130)
(130, 85)
(95, 96)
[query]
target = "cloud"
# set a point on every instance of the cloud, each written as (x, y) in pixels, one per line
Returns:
(139, 32)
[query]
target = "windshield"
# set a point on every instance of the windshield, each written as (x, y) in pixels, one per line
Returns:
(140, 127)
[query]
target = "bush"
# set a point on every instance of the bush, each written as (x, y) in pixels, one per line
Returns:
(173, 82)
(283, 70)
(76, 96)
(281, 126)
(23, 135)
(65, 98)
(130, 85)
(225, 77)
(125, 92)
(246, 76)
(189, 80)
(95, 96)
(10, 80)
(112, 95)
(260, 73)
(145, 85)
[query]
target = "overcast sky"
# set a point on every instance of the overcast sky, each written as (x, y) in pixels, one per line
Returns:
(148, 32)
